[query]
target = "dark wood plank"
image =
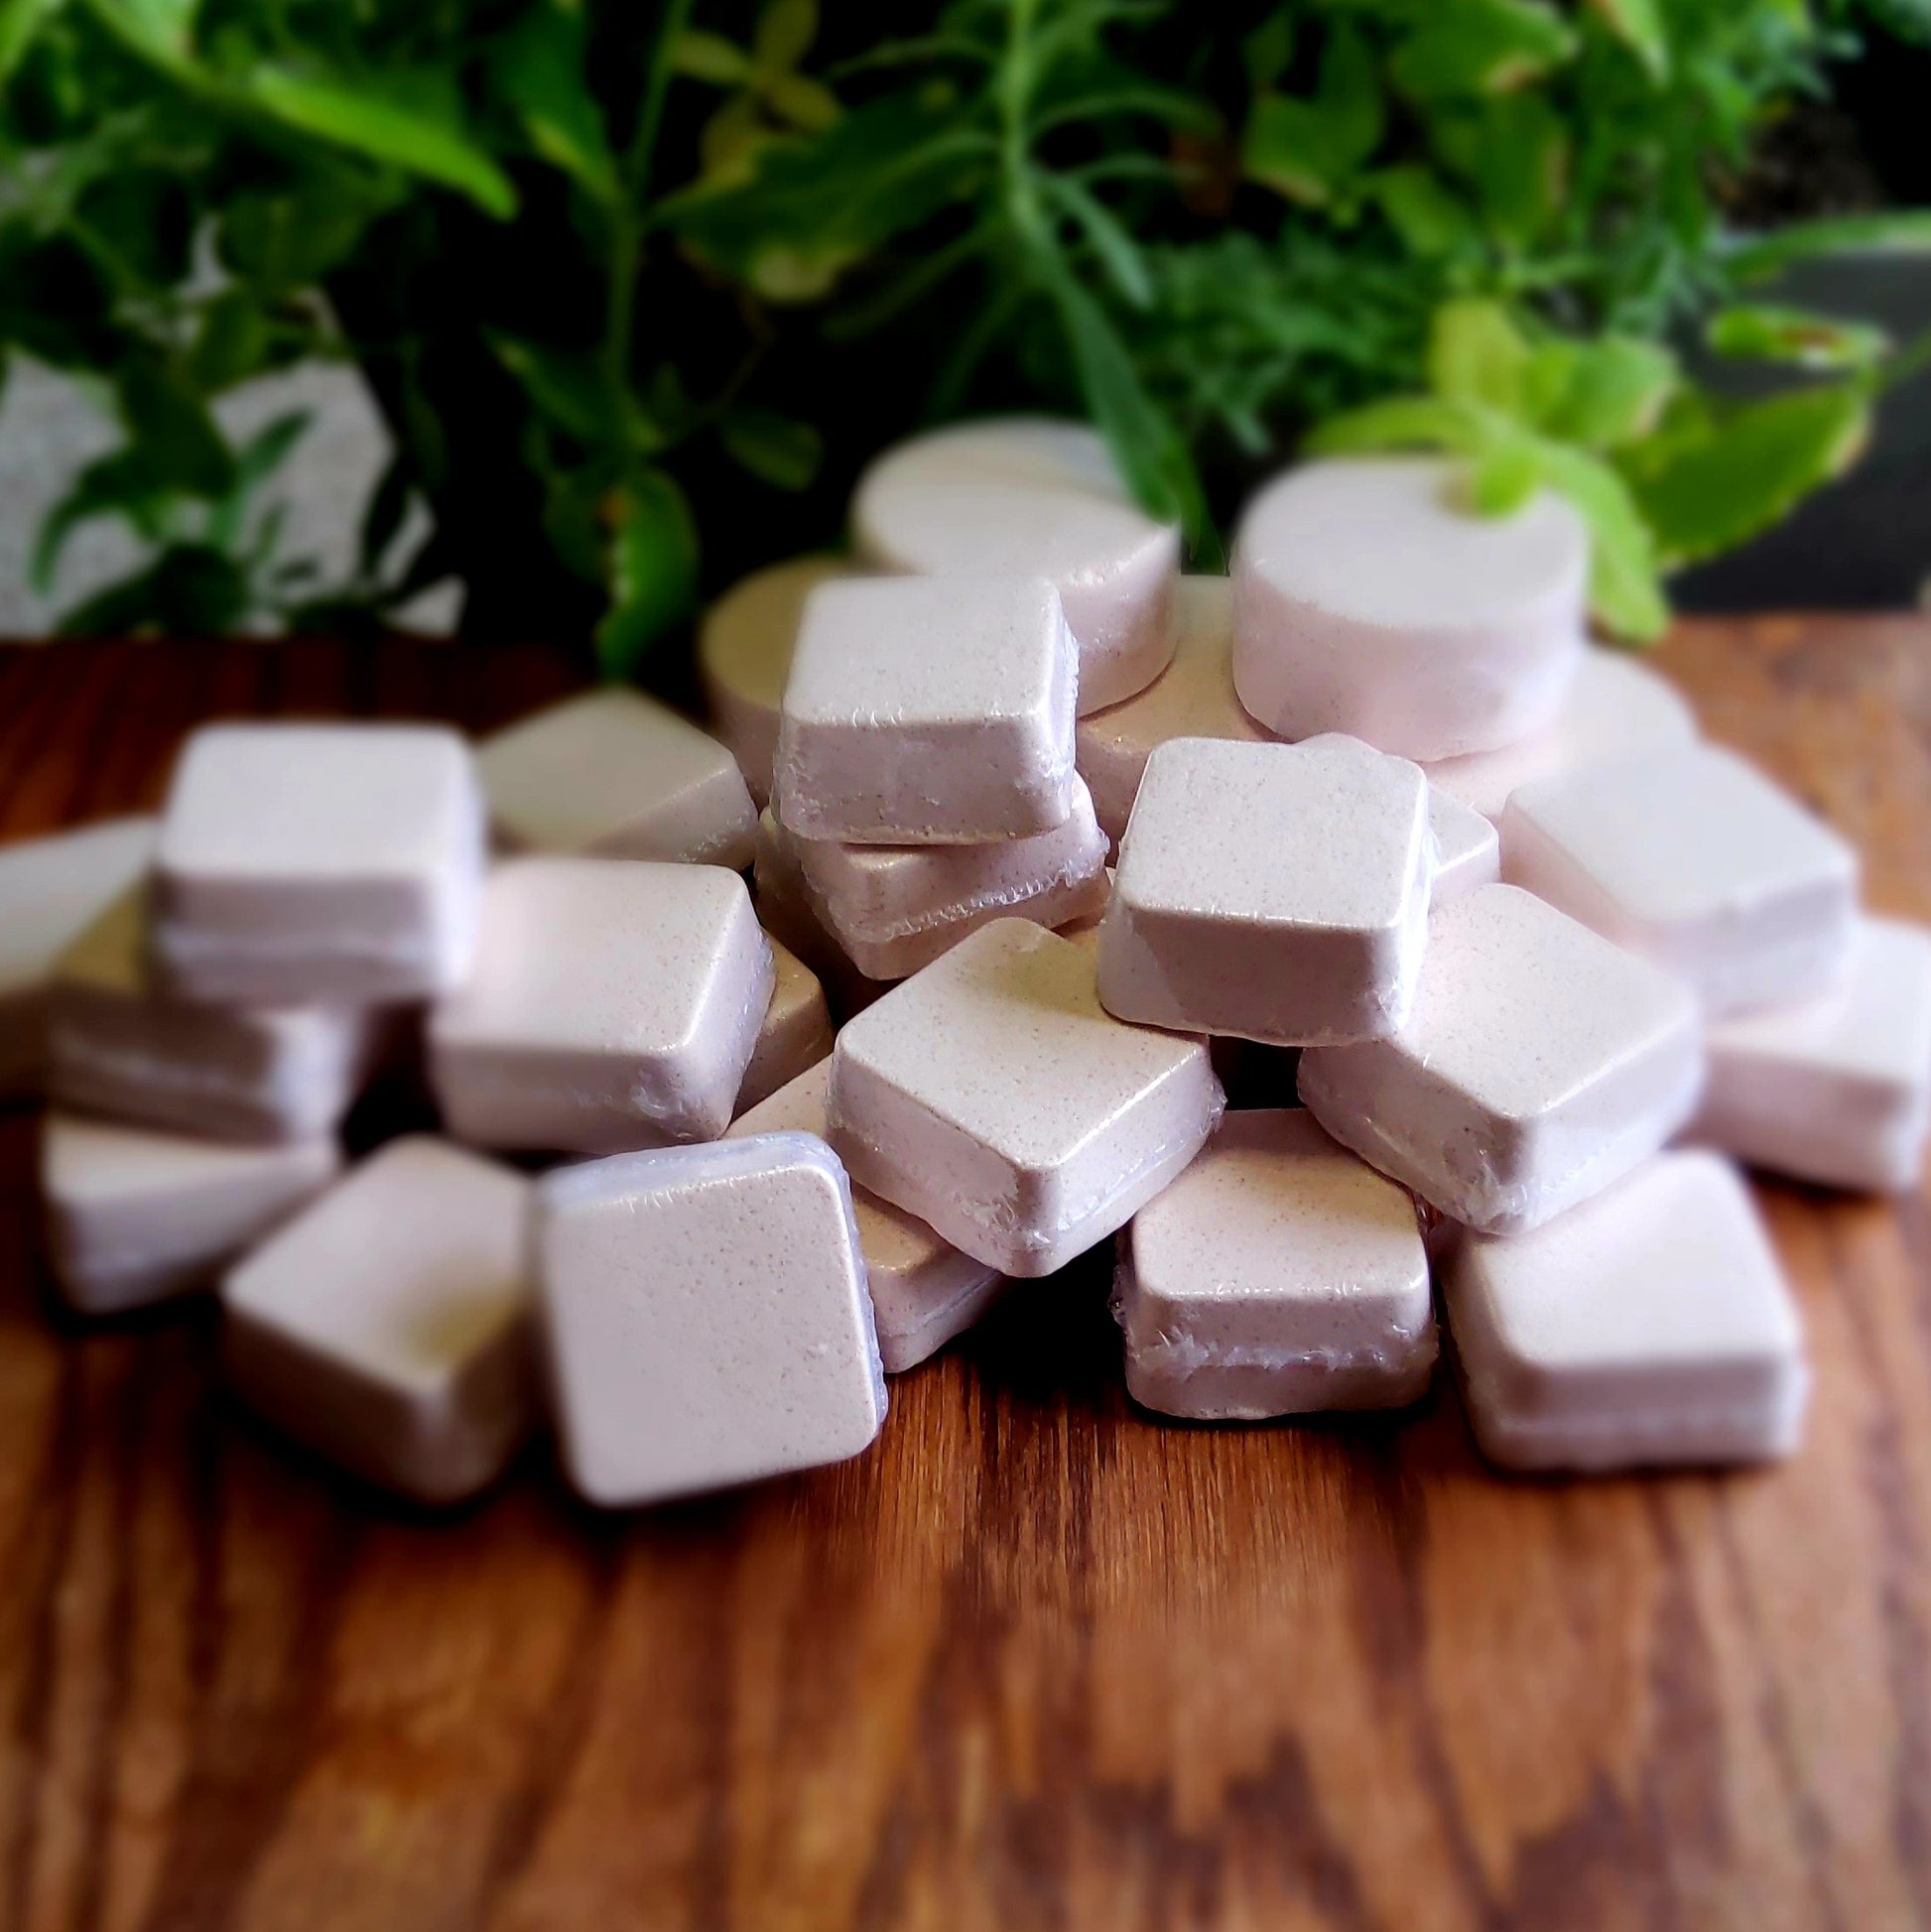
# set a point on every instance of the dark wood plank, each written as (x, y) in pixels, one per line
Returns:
(1034, 1661)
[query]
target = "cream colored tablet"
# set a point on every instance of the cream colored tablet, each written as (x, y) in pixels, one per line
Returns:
(1369, 598)
(1275, 892)
(338, 863)
(992, 1096)
(744, 647)
(1468, 848)
(615, 1003)
(120, 1046)
(1694, 859)
(50, 891)
(387, 1324)
(920, 713)
(613, 774)
(924, 1291)
(1193, 698)
(1651, 1324)
(1539, 1063)
(796, 1033)
(132, 1217)
(705, 1315)
(1278, 1274)
(1838, 1090)
(1031, 496)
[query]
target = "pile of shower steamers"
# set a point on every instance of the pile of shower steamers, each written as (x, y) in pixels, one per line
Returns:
(1073, 847)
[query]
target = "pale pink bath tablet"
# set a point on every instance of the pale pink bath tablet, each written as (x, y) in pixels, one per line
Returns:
(1650, 1324)
(785, 906)
(1468, 848)
(1696, 860)
(1029, 496)
(1838, 1090)
(613, 774)
(1616, 708)
(744, 647)
(119, 1045)
(924, 1291)
(992, 1096)
(1369, 599)
(133, 1215)
(796, 1033)
(387, 1324)
(1538, 1065)
(920, 713)
(705, 1315)
(1278, 1274)
(1272, 891)
(319, 863)
(50, 891)
(1193, 698)
(893, 909)
(615, 1003)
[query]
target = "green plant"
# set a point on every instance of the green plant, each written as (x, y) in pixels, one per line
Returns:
(621, 276)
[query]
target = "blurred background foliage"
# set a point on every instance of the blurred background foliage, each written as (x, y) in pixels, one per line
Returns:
(640, 288)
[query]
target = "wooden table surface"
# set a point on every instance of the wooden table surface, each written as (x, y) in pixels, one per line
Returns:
(1033, 1661)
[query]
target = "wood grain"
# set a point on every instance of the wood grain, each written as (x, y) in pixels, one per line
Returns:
(1034, 1661)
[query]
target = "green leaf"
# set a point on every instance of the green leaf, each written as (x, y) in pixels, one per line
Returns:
(1625, 593)
(1476, 354)
(229, 344)
(1308, 150)
(382, 520)
(1752, 467)
(173, 429)
(122, 483)
(568, 387)
(188, 590)
(387, 128)
(160, 30)
(1638, 25)
(699, 55)
(1151, 453)
(1600, 394)
(1480, 46)
(802, 101)
(1427, 217)
(785, 32)
(1895, 231)
(1117, 252)
(1515, 154)
(285, 240)
(1407, 422)
(780, 450)
(1503, 480)
(20, 21)
(1770, 333)
(653, 570)
(1268, 50)
(540, 71)
(259, 459)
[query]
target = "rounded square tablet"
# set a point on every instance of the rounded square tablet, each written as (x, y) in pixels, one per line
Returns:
(615, 1003)
(1649, 1325)
(613, 774)
(796, 1032)
(1279, 1273)
(1838, 1090)
(1539, 1063)
(1692, 858)
(922, 712)
(134, 1216)
(1468, 849)
(1031, 496)
(992, 1096)
(1271, 891)
(924, 1291)
(387, 1324)
(705, 1315)
(319, 863)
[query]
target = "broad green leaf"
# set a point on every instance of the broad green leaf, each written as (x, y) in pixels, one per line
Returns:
(1899, 231)
(188, 590)
(122, 483)
(171, 425)
(160, 30)
(144, 219)
(802, 101)
(780, 449)
(785, 32)
(1626, 593)
(1518, 161)
(699, 55)
(1639, 26)
(279, 241)
(568, 387)
(386, 129)
(572, 520)
(1116, 250)
(1503, 480)
(1408, 423)
(539, 71)
(1269, 48)
(258, 460)
(1752, 468)
(653, 570)
(1600, 394)
(229, 344)
(1480, 46)
(1476, 354)
(20, 21)
(1770, 333)
(1307, 149)
(1429, 220)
